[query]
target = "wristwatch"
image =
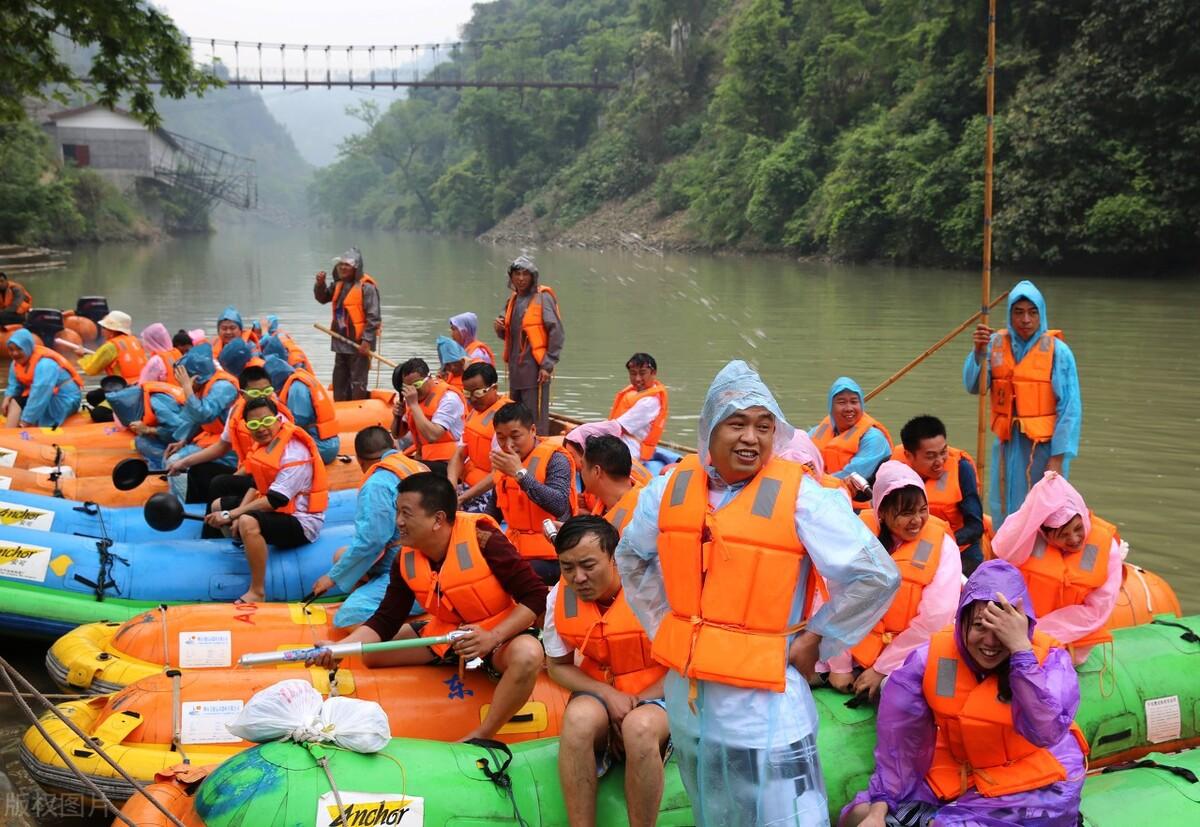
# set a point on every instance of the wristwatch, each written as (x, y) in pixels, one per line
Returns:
(225, 515)
(521, 474)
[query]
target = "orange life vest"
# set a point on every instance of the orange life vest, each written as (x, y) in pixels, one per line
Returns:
(622, 511)
(1057, 579)
(266, 461)
(6, 299)
(730, 576)
(613, 646)
(296, 357)
(353, 307)
(627, 397)
(243, 441)
(523, 517)
(944, 494)
(149, 418)
(1023, 391)
(322, 402)
(464, 590)
(446, 445)
(478, 345)
(918, 562)
(455, 380)
(977, 743)
(838, 449)
(210, 432)
(24, 373)
(131, 358)
(169, 359)
(398, 464)
(477, 438)
(531, 324)
(218, 343)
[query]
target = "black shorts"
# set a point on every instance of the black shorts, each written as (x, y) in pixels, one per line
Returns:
(282, 531)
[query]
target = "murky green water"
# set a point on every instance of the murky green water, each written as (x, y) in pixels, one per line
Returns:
(800, 324)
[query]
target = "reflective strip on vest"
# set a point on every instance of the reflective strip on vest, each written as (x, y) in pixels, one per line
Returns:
(463, 551)
(534, 462)
(488, 417)
(821, 431)
(570, 602)
(947, 677)
(921, 555)
(617, 519)
(410, 565)
(1088, 561)
(767, 496)
(679, 488)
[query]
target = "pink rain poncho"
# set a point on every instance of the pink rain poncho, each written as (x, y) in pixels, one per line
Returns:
(579, 434)
(802, 449)
(1044, 700)
(156, 339)
(1054, 502)
(938, 599)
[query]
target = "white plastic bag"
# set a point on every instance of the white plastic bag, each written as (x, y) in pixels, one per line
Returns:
(361, 726)
(277, 712)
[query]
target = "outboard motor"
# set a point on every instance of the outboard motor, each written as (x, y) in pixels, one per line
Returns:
(92, 307)
(46, 323)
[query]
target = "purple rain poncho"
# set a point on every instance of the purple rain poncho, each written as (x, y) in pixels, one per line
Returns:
(1044, 700)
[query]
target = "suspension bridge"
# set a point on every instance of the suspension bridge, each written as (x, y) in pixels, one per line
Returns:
(241, 63)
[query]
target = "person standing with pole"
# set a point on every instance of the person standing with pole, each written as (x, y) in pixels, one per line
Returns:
(532, 330)
(356, 316)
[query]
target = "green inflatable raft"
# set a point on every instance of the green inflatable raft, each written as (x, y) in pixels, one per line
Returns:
(1159, 790)
(1138, 696)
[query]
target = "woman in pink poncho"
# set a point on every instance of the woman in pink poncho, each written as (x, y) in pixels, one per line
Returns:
(924, 550)
(1070, 559)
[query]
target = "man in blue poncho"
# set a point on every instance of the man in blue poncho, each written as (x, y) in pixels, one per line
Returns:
(720, 564)
(850, 439)
(154, 412)
(1036, 406)
(43, 388)
(210, 394)
(375, 544)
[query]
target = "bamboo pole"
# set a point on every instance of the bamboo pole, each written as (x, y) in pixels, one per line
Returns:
(349, 341)
(988, 157)
(932, 349)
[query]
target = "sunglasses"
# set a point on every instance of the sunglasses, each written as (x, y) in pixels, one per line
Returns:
(258, 393)
(482, 392)
(259, 424)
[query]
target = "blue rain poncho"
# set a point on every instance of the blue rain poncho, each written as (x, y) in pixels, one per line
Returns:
(374, 532)
(234, 356)
(449, 351)
(873, 448)
(231, 314)
(1023, 462)
(748, 756)
(299, 402)
(128, 406)
(44, 408)
(213, 406)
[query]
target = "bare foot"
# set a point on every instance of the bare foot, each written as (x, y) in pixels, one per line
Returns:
(251, 596)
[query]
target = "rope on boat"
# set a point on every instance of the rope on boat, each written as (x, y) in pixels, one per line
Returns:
(47, 695)
(11, 677)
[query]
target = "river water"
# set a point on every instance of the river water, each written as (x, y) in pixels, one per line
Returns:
(801, 325)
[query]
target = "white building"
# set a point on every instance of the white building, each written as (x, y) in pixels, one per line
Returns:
(112, 143)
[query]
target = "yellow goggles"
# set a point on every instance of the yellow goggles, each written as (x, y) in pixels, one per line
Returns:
(420, 382)
(258, 424)
(258, 393)
(482, 392)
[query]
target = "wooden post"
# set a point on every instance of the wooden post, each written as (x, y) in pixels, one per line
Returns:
(980, 445)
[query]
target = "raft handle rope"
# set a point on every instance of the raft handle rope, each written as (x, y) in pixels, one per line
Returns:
(1188, 635)
(499, 776)
(104, 580)
(1182, 772)
(10, 676)
(88, 507)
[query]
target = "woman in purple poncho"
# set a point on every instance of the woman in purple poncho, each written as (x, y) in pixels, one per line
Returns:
(976, 727)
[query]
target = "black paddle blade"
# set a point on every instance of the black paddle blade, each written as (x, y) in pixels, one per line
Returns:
(129, 473)
(163, 512)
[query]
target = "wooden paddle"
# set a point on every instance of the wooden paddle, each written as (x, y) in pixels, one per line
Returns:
(932, 349)
(349, 341)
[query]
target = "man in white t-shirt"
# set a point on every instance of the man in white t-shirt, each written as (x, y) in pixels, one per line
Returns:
(640, 408)
(431, 412)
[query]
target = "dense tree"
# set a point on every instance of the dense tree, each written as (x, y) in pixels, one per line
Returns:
(131, 44)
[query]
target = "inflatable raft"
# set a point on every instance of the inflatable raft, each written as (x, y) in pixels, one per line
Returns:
(50, 583)
(103, 657)
(153, 724)
(1138, 696)
(99, 658)
(123, 525)
(408, 782)
(1159, 790)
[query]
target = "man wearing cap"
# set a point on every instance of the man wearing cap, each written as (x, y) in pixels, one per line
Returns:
(120, 355)
(355, 299)
(532, 330)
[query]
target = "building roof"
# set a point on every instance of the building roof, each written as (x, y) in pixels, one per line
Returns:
(79, 110)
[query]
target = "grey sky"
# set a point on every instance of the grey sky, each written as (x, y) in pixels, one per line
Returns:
(367, 22)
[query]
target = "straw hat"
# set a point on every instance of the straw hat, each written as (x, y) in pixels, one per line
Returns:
(118, 321)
